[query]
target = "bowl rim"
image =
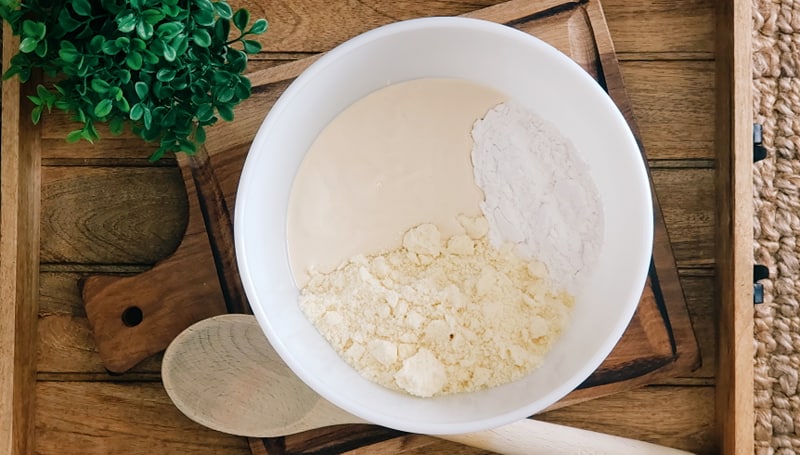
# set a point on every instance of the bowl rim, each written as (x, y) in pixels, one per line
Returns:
(296, 365)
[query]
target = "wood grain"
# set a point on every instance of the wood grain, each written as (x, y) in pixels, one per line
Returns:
(653, 37)
(687, 202)
(139, 418)
(120, 418)
(646, 346)
(661, 26)
(700, 297)
(166, 304)
(122, 215)
(673, 102)
(674, 106)
(20, 185)
(685, 416)
(735, 228)
(636, 25)
(66, 345)
(151, 217)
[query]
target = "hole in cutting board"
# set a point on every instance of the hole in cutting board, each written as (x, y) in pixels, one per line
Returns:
(132, 316)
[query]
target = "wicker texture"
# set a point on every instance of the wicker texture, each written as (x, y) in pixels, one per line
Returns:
(776, 97)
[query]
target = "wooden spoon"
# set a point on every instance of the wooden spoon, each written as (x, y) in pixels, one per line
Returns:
(223, 373)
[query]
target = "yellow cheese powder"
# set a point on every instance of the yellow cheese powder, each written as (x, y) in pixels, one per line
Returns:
(439, 316)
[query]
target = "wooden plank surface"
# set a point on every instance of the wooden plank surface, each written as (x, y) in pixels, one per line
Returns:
(669, 42)
(636, 26)
(19, 265)
(107, 411)
(734, 192)
(646, 347)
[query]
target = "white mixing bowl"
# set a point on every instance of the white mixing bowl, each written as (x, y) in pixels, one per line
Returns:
(526, 70)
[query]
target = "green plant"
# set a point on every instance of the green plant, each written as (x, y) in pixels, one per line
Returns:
(169, 68)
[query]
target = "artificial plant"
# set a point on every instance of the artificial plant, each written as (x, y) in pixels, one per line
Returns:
(168, 68)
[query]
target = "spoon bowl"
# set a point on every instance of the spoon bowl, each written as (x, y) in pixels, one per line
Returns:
(254, 394)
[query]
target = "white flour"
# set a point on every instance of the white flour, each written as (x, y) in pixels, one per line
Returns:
(438, 316)
(539, 194)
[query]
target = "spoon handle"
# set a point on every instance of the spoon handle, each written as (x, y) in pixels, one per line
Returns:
(533, 437)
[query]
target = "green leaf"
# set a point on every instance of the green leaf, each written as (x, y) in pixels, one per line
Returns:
(204, 5)
(109, 47)
(243, 90)
(137, 44)
(237, 60)
(136, 113)
(225, 94)
(103, 108)
(165, 74)
(201, 37)
(11, 72)
(169, 119)
(82, 7)
(33, 29)
(259, 27)
(134, 61)
(223, 9)
(36, 114)
(204, 18)
(187, 146)
(74, 136)
(116, 125)
(124, 76)
(152, 16)
(171, 10)
(205, 112)
(149, 57)
(123, 105)
(67, 22)
(179, 83)
(251, 46)
(41, 48)
(144, 30)
(241, 18)
(100, 86)
(68, 52)
(169, 30)
(158, 154)
(180, 44)
(221, 30)
(148, 118)
(141, 89)
(126, 23)
(200, 135)
(169, 53)
(83, 66)
(91, 130)
(96, 43)
(225, 112)
(28, 45)
(85, 134)
(36, 100)
(43, 94)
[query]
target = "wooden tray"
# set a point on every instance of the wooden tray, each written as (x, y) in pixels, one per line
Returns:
(20, 175)
(658, 343)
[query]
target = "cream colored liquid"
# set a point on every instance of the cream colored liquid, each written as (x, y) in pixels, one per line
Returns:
(396, 158)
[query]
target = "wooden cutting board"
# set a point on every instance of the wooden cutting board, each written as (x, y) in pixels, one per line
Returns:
(137, 316)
